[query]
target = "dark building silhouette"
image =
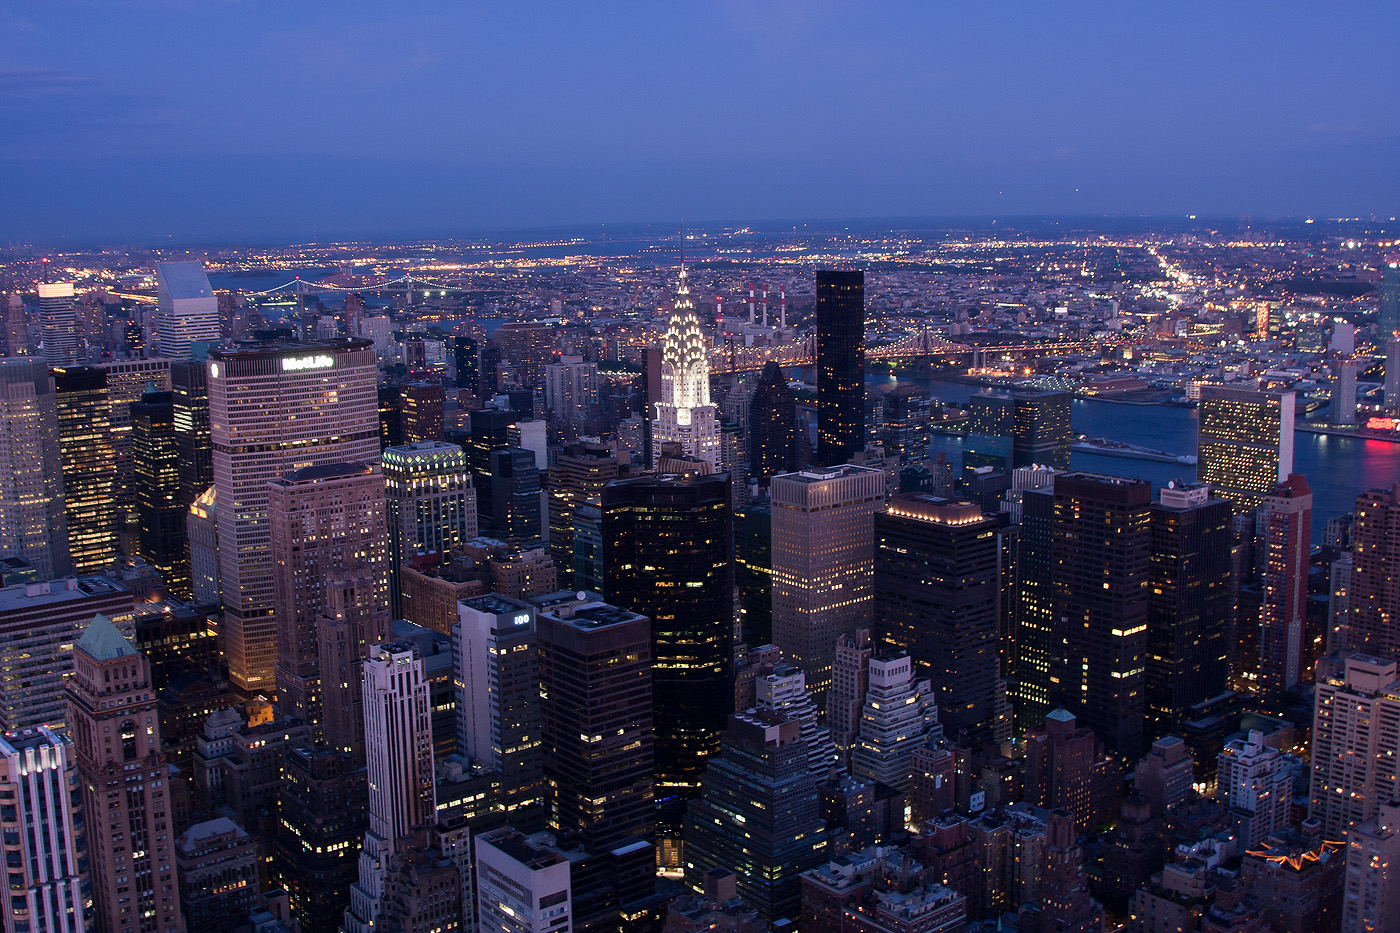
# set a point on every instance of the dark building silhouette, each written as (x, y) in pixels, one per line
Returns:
(160, 518)
(758, 812)
(1033, 620)
(772, 426)
(667, 548)
(1101, 552)
(937, 574)
(753, 570)
(908, 411)
(189, 394)
(515, 495)
(1063, 904)
(490, 431)
(323, 816)
(1374, 613)
(840, 366)
(1190, 606)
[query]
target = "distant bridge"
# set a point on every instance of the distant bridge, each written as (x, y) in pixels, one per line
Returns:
(735, 358)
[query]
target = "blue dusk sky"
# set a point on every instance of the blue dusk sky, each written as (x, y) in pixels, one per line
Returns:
(211, 121)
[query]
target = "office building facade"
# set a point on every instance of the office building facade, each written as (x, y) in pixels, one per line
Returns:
(840, 365)
(431, 504)
(186, 308)
(33, 517)
(1245, 442)
(89, 466)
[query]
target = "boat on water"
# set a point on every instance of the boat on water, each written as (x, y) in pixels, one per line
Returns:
(1107, 448)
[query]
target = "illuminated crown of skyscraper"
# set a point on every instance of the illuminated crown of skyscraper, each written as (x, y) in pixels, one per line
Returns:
(685, 365)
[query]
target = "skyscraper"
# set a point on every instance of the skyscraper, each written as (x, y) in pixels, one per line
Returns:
(1388, 319)
(578, 474)
(907, 413)
(772, 426)
(840, 365)
(399, 762)
(1285, 539)
(1373, 597)
(160, 517)
(1372, 900)
(276, 407)
(49, 886)
(668, 552)
(523, 885)
(1034, 621)
(571, 390)
(898, 717)
(497, 664)
(325, 520)
(189, 392)
(1245, 444)
(1101, 550)
(124, 777)
(757, 814)
(1022, 429)
(937, 599)
(33, 518)
(515, 496)
(823, 561)
(595, 679)
(1190, 607)
(431, 504)
(89, 465)
(59, 318)
(186, 308)
(685, 415)
(1356, 717)
(1254, 781)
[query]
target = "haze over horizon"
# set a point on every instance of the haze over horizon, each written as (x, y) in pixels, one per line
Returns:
(149, 121)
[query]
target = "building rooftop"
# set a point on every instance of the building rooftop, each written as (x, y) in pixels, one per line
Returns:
(24, 596)
(103, 642)
(324, 471)
(201, 833)
(182, 280)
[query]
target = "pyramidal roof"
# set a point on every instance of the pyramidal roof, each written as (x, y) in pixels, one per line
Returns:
(103, 641)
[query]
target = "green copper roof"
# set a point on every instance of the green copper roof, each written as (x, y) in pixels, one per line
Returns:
(103, 641)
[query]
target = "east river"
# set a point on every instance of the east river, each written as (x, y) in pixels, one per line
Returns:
(1337, 468)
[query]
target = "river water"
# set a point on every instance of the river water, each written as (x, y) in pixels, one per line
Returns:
(1337, 468)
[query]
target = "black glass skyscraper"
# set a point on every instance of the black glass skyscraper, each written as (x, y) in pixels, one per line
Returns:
(772, 426)
(160, 517)
(840, 366)
(668, 550)
(189, 396)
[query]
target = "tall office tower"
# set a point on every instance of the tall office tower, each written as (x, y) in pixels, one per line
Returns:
(465, 354)
(123, 773)
(772, 426)
(490, 432)
(823, 561)
(668, 549)
(571, 390)
(1355, 721)
(1373, 598)
(840, 366)
(1392, 376)
(1034, 619)
(782, 689)
(899, 716)
(908, 410)
(189, 395)
(1284, 529)
(850, 681)
(202, 533)
(527, 346)
(160, 517)
(1101, 550)
(399, 768)
(1064, 904)
(276, 407)
(431, 505)
(324, 520)
(89, 466)
(937, 593)
(497, 664)
(1372, 900)
(127, 381)
(1245, 444)
(1254, 781)
(523, 885)
(595, 687)
(420, 411)
(1388, 319)
(1344, 393)
(1190, 606)
(59, 318)
(49, 887)
(578, 474)
(684, 415)
(321, 821)
(186, 308)
(217, 864)
(515, 496)
(757, 814)
(1065, 766)
(38, 624)
(33, 519)
(1019, 430)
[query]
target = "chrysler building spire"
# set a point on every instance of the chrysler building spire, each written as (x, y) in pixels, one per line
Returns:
(684, 415)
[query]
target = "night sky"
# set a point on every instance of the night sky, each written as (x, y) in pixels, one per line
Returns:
(229, 121)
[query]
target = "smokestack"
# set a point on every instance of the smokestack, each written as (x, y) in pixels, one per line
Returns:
(765, 305)
(750, 302)
(782, 307)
